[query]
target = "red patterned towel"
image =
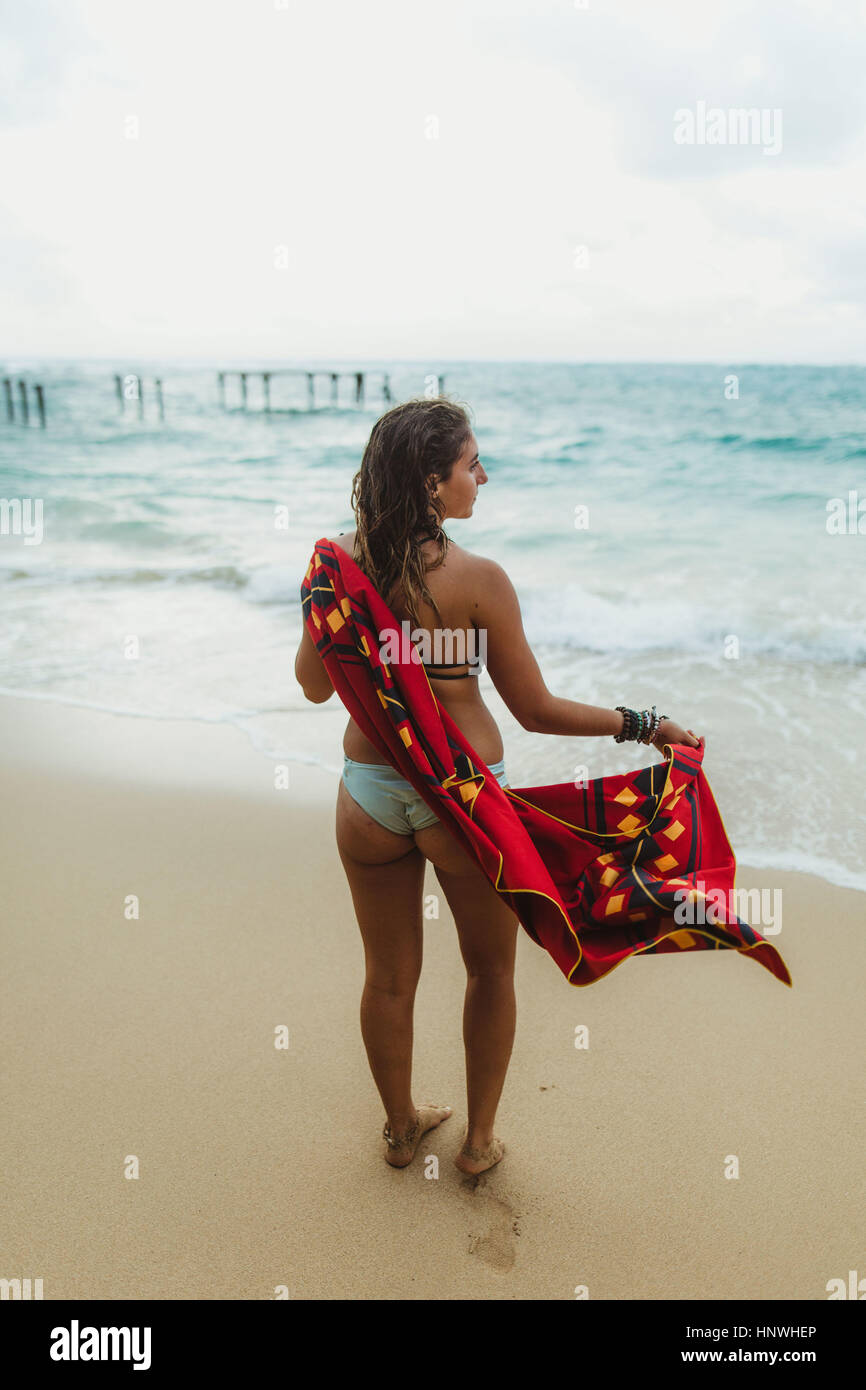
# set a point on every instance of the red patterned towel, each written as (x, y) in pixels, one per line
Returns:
(595, 873)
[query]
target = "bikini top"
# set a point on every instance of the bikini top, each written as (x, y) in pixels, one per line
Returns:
(437, 669)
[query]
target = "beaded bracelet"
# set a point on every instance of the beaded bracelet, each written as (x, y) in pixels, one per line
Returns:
(656, 720)
(630, 719)
(639, 726)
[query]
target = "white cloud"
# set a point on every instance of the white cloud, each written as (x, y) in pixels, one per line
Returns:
(304, 128)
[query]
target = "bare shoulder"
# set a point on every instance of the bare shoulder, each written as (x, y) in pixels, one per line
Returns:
(462, 566)
(489, 573)
(346, 541)
(463, 570)
(481, 581)
(467, 560)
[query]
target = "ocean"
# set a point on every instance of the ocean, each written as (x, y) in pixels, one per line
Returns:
(672, 532)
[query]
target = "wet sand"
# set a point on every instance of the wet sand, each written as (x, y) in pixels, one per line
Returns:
(149, 1039)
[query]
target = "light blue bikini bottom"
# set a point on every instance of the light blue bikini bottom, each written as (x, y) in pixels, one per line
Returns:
(392, 801)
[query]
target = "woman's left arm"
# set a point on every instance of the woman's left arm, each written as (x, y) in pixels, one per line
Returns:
(311, 673)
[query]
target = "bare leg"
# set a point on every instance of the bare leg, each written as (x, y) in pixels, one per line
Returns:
(489, 1017)
(386, 879)
(487, 932)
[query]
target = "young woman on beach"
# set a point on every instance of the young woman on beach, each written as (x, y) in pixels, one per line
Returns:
(420, 467)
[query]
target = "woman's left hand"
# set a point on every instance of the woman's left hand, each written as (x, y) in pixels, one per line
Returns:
(669, 732)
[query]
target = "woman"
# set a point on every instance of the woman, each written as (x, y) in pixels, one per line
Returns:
(421, 467)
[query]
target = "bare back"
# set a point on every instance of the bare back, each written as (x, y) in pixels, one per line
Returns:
(456, 585)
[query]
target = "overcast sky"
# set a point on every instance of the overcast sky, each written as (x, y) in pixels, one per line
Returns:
(336, 179)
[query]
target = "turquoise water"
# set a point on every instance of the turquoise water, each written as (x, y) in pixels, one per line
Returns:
(706, 580)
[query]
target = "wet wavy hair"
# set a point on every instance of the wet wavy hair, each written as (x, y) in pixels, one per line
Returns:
(411, 448)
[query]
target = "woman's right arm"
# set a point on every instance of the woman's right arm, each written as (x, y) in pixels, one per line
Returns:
(518, 679)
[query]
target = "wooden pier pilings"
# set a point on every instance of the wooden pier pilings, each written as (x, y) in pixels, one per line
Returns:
(265, 377)
(131, 388)
(23, 402)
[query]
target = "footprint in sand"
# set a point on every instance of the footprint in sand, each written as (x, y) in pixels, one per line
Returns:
(495, 1245)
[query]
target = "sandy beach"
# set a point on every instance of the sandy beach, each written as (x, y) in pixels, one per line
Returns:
(152, 1038)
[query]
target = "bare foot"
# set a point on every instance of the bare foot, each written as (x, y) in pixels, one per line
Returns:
(400, 1148)
(474, 1161)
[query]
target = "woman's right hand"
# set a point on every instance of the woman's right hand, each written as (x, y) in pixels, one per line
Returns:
(669, 732)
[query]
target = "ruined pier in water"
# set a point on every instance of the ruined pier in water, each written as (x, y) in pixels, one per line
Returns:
(265, 376)
(23, 402)
(131, 388)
